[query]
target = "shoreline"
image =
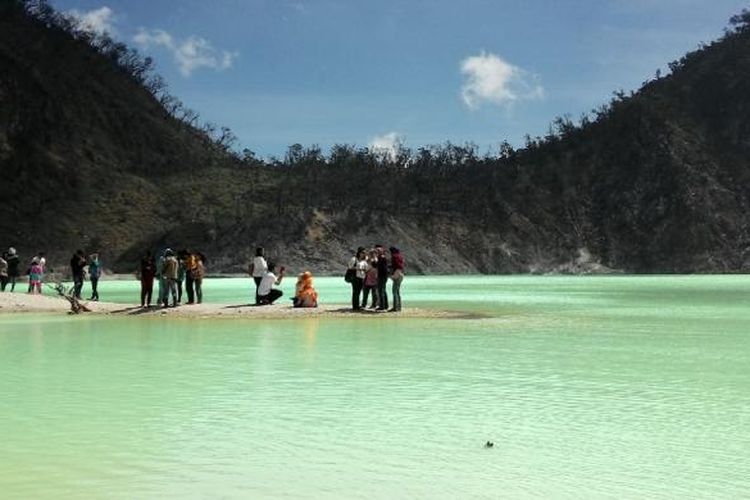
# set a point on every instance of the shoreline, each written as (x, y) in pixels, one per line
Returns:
(24, 303)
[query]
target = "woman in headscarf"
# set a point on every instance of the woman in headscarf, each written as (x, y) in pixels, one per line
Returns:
(305, 294)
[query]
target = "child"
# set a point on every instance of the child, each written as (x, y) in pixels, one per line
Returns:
(35, 277)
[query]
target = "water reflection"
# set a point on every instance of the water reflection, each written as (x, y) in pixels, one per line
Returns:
(311, 326)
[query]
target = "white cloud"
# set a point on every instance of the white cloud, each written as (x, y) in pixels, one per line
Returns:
(147, 38)
(100, 21)
(492, 79)
(299, 7)
(190, 54)
(387, 144)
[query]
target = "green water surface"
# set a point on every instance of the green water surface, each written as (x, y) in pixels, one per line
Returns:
(590, 387)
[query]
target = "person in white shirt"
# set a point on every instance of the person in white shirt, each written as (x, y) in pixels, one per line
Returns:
(267, 294)
(358, 264)
(257, 269)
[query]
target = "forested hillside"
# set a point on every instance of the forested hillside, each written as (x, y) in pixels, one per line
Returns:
(95, 153)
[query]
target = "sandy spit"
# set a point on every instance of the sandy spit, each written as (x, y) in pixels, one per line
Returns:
(25, 303)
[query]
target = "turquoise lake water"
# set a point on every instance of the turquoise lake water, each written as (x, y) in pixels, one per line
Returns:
(590, 387)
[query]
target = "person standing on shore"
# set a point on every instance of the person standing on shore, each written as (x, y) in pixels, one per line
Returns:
(182, 256)
(397, 276)
(382, 265)
(257, 270)
(358, 267)
(190, 260)
(169, 272)
(39, 259)
(35, 276)
(13, 271)
(77, 265)
(162, 282)
(199, 272)
(3, 272)
(146, 273)
(95, 272)
(43, 265)
(371, 281)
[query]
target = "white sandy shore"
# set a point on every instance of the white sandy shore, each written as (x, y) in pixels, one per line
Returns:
(25, 303)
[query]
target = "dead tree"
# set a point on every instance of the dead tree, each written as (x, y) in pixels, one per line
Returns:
(76, 307)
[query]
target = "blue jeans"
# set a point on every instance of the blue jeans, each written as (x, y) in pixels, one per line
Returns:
(397, 278)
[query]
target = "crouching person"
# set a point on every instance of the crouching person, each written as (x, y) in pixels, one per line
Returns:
(305, 294)
(267, 294)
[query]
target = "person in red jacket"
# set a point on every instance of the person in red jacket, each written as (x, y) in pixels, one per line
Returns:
(397, 276)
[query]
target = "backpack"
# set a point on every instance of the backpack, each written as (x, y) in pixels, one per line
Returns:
(350, 275)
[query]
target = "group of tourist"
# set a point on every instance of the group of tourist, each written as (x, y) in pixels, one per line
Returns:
(171, 270)
(79, 263)
(264, 275)
(10, 271)
(368, 272)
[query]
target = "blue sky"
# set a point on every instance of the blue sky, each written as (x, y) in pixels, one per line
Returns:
(322, 72)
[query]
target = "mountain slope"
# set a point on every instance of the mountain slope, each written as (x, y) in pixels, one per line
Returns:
(90, 157)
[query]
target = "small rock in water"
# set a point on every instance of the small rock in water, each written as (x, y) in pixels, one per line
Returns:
(489, 444)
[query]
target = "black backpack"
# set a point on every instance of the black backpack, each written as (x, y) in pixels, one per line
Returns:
(350, 275)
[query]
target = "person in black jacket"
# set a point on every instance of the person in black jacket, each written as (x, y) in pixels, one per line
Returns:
(13, 270)
(146, 273)
(77, 264)
(382, 266)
